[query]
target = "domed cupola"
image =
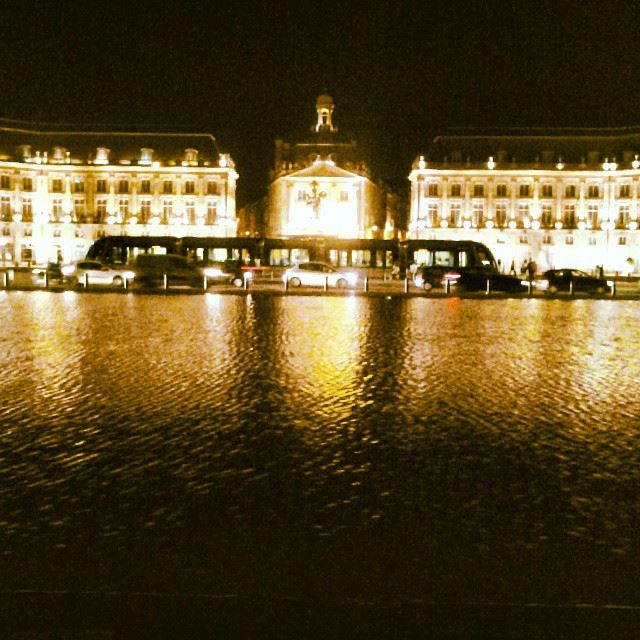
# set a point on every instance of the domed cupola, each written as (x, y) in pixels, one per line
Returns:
(324, 109)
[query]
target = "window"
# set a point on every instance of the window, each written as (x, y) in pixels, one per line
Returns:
(525, 190)
(56, 209)
(547, 239)
(593, 213)
(569, 240)
(5, 182)
(145, 210)
(625, 191)
(546, 216)
(190, 211)
(123, 209)
(123, 186)
(570, 191)
(167, 211)
(101, 209)
(79, 209)
(454, 215)
(623, 215)
(212, 189)
(190, 187)
(570, 216)
(301, 195)
(344, 196)
(78, 186)
(433, 190)
(593, 191)
(101, 186)
(145, 186)
(27, 184)
(501, 215)
(547, 191)
(56, 185)
(5, 208)
(212, 212)
(523, 212)
(592, 241)
(478, 214)
(167, 186)
(622, 240)
(432, 215)
(27, 210)
(456, 190)
(478, 190)
(501, 190)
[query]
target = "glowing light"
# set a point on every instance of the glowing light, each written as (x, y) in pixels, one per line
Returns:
(609, 166)
(582, 225)
(467, 224)
(444, 224)
(154, 220)
(491, 164)
(558, 225)
(512, 224)
(560, 165)
(489, 224)
(607, 225)
(535, 224)
(111, 219)
(636, 163)
(133, 220)
(633, 225)
(66, 219)
(421, 163)
(17, 217)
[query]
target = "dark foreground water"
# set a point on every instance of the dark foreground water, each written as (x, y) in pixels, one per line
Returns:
(320, 451)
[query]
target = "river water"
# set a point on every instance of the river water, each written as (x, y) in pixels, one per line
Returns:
(400, 449)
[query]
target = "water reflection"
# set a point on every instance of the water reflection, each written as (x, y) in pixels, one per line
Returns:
(432, 448)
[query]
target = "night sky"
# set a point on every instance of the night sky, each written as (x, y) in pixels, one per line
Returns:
(248, 72)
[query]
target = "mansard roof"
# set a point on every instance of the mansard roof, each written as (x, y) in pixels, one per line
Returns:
(580, 146)
(81, 143)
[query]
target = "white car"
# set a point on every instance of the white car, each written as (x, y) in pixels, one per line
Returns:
(319, 274)
(93, 272)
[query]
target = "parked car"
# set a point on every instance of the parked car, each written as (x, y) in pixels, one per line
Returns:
(226, 272)
(93, 272)
(479, 280)
(319, 274)
(51, 270)
(470, 279)
(150, 270)
(574, 280)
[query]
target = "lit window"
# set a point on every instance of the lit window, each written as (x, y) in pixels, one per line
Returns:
(478, 191)
(5, 208)
(593, 214)
(570, 191)
(123, 186)
(625, 191)
(593, 191)
(78, 186)
(344, 196)
(433, 189)
(547, 191)
(212, 189)
(101, 186)
(456, 190)
(546, 217)
(145, 186)
(622, 240)
(212, 212)
(145, 210)
(56, 185)
(167, 186)
(570, 216)
(525, 190)
(27, 184)
(5, 182)
(190, 187)
(27, 210)
(501, 190)
(501, 215)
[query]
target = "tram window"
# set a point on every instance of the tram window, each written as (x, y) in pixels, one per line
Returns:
(443, 259)
(484, 258)
(463, 259)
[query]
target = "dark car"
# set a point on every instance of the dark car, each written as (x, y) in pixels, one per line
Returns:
(488, 281)
(573, 280)
(160, 270)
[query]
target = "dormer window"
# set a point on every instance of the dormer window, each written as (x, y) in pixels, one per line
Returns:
(146, 156)
(102, 155)
(59, 155)
(191, 157)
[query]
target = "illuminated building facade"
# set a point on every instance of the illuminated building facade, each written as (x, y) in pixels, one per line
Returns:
(562, 198)
(321, 186)
(62, 189)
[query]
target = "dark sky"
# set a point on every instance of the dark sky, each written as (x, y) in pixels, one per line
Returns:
(248, 72)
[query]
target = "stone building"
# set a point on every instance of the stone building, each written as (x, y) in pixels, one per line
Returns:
(321, 186)
(560, 197)
(61, 189)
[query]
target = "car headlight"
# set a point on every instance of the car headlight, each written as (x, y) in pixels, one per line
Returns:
(128, 275)
(540, 284)
(610, 283)
(248, 275)
(213, 272)
(68, 269)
